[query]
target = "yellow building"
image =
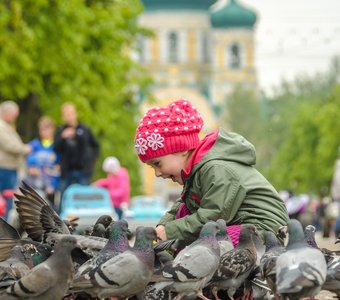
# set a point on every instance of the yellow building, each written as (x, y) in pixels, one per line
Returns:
(199, 51)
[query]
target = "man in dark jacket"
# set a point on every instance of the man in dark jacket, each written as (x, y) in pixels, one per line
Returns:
(77, 147)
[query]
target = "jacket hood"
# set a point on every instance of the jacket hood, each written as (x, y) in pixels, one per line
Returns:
(222, 145)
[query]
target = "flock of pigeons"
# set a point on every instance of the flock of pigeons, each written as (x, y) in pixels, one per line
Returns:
(48, 261)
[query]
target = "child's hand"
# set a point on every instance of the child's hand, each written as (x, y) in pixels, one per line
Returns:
(161, 234)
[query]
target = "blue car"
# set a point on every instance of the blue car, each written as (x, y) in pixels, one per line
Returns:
(86, 202)
(147, 208)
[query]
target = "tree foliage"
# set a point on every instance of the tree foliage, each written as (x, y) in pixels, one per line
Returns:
(304, 132)
(295, 131)
(52, 51)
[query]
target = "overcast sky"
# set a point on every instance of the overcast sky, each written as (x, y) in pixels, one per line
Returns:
(294, 37)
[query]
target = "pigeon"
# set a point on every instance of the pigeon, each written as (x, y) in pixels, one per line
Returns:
(99, 228)
(301, 270)
(187, 274)
(117, 243)
(237, 264)
(125, 274)
(223, 237)
(48, 280)
(332, 282)
(309, 233)
(268, 260)
(21, 260)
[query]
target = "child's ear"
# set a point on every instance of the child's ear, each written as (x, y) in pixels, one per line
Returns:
(186, 153)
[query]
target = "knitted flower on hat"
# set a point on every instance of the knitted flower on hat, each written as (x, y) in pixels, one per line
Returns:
(168, 129)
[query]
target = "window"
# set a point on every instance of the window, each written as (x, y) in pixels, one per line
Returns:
(205, 48)
(173, 47)
(234, 56)
(141, 49)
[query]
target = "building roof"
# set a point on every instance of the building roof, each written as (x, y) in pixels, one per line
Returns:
(154, 5)
(233, 15)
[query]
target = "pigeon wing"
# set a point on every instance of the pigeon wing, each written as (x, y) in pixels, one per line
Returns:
(188, 264)
(38, 281)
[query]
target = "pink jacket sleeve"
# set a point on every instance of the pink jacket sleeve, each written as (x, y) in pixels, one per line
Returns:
(121, 192)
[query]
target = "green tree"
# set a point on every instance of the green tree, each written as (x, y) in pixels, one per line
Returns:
(243, 114)
(304, 132)
(52, 51)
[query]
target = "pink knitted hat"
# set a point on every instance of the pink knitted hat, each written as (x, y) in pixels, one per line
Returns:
(168, 129)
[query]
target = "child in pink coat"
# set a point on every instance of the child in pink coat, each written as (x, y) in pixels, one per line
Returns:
(118, 184)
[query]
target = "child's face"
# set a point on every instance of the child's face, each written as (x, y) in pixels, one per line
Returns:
(170, 166)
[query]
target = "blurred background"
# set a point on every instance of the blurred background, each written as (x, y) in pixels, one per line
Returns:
(268, 70)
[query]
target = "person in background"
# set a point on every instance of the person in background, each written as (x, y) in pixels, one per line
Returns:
(77, 147)
(118, 184)
(12, 149)
(44, 158)
(217, 174)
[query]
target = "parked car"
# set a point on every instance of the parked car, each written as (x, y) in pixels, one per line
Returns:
(146, 208)
(86, 202)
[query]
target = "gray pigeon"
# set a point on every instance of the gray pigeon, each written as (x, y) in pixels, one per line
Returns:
(223, 237)
(268, 260)
(301, 270)
(48, 280)
(22, 259)
(194, 266)
(237, 264)
(309, 233)
(116, 244)
(126, 274)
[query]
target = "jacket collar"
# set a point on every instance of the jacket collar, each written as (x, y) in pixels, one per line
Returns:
(203, 148)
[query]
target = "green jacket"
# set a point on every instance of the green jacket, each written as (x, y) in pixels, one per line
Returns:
(221, 182)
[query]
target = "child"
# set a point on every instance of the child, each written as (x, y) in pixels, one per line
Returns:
(217, 173)
(46, 160)
(118, 184)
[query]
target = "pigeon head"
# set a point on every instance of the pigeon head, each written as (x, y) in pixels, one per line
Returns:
(209, 229)
(295, 232)
(117, 229)
(67, 243)
(270, 240)
(105, 220)
(310, 236)
(247, 233)
(44, 251)
(146, 234)
(310, 228)
(222, 228)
